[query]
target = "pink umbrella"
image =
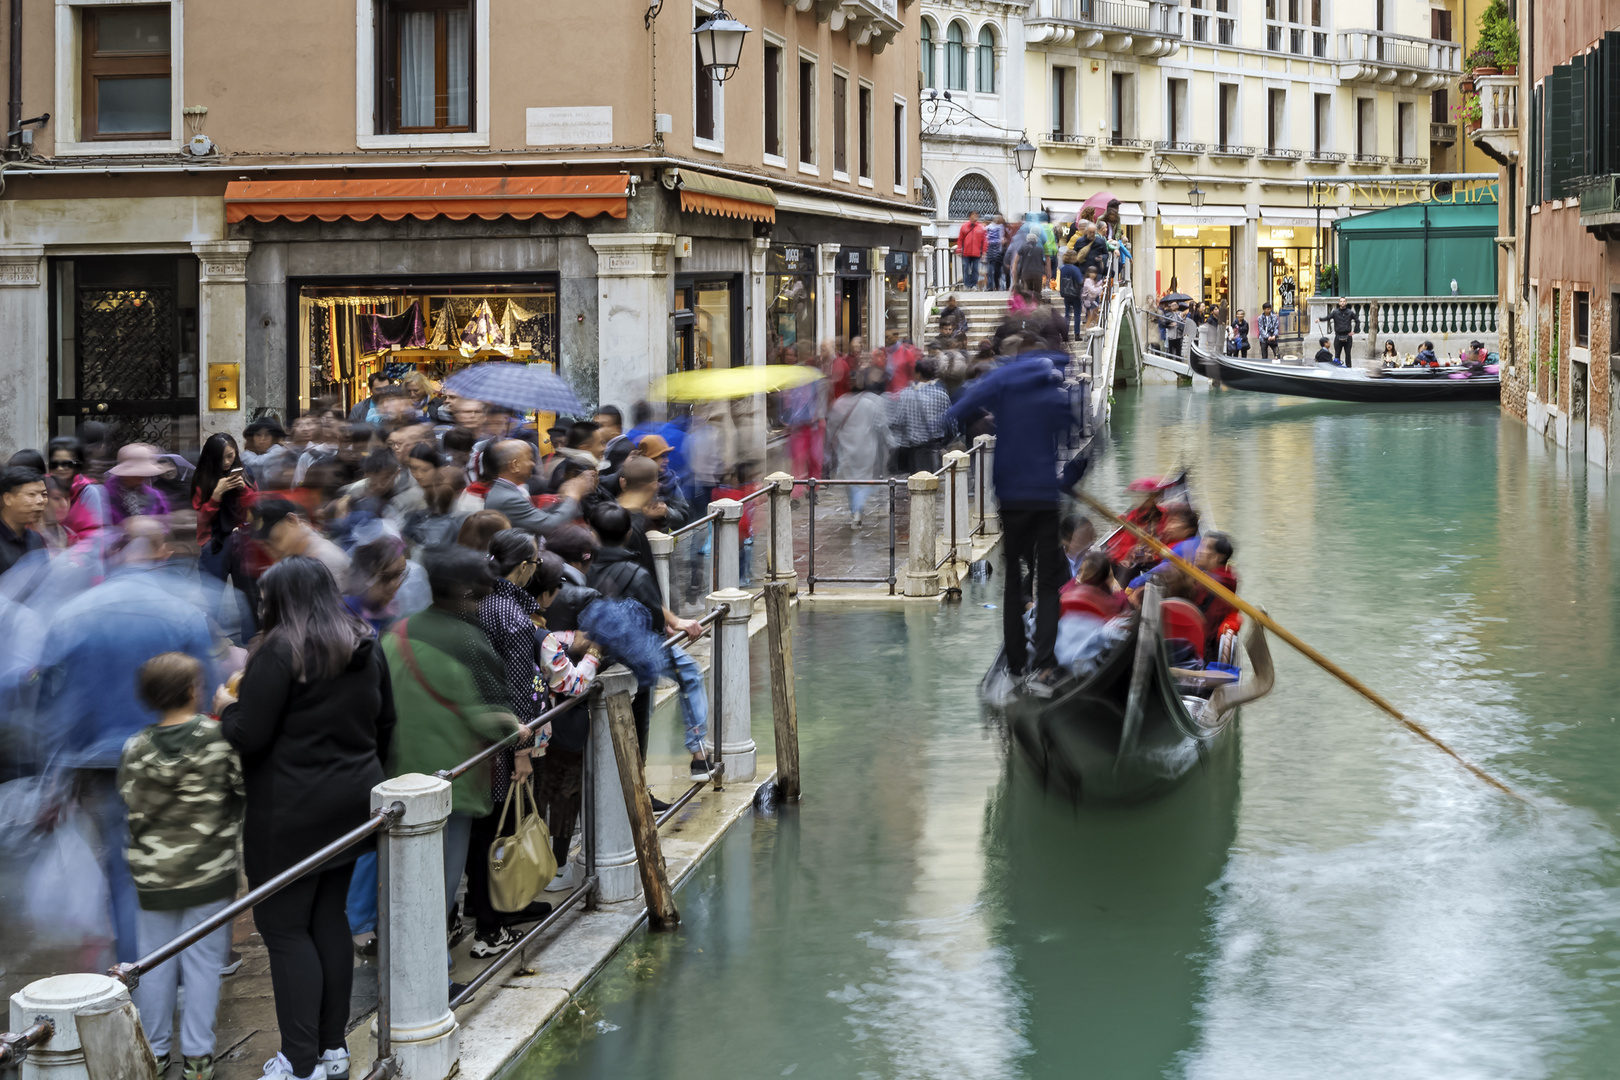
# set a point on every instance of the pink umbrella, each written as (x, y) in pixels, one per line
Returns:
(1099, 203)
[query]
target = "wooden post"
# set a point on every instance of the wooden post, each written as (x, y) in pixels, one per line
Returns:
(661, 912)
(784, 704)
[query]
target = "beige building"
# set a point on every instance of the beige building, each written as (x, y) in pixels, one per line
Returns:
(1284, 114)
(234, 208)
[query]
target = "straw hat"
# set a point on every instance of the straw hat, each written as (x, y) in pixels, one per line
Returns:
(137, 459)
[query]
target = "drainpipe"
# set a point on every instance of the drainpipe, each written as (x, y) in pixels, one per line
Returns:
(1426, 248)
(1530, 81)
(14, 106)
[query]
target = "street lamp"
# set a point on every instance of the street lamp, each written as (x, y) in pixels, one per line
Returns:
(1024, 154)
(1195, 198)
(720, 43)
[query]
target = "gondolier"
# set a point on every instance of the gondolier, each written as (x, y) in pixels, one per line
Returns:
(1344, 321)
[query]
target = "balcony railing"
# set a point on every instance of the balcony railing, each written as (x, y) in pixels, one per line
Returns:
(1328, 156)
(1112, 142)
(1179, 146)
(1409, 162)
(1281, 153)
(1374, 56)
(1369, 159)
(1498, 102)
(1069, 138)
(1444, 134)
(1065, 21)
(1232, 150)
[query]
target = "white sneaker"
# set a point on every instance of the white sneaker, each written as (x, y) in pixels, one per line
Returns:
(279, 1068)
(564, 881)
(336, 1063)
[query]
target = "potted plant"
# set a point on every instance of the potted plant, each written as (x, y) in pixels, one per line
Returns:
(1327, 282)
(1499, 34)
(1468, 112)
(1482, 61)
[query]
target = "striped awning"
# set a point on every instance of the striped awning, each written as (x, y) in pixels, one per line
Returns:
(702, 193)
(486, 197)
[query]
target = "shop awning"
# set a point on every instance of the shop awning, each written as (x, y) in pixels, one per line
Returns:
(1298, 215)
(1130, 213)
(1172, 214)
(487, 197)
(702, 193)
(854, 211)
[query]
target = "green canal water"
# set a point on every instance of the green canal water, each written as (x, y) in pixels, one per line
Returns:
(1345, 902)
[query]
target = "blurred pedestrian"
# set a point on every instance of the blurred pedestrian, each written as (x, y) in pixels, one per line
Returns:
(970, 244)
(129, 483)
(314, 723)
(858, 432)
(86, 512)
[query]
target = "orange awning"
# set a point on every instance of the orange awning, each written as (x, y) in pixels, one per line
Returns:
(487, 197)
(702, 193)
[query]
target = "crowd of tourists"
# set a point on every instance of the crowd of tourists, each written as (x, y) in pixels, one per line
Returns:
(208, 662)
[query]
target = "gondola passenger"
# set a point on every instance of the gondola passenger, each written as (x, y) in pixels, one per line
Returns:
(1180, 533)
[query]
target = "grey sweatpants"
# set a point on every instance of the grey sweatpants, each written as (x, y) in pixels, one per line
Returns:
(197, 966)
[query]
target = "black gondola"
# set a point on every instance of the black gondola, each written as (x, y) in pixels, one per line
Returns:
(1133, 727)
(1350, 384)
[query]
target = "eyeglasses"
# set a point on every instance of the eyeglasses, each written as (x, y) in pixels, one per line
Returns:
(58, 463)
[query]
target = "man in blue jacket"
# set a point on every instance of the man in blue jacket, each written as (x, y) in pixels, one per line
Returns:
(1031, 409)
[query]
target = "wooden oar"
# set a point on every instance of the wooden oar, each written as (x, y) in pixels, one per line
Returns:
(1271, 624)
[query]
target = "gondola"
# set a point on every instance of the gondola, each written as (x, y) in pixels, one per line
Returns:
(1351, 384)
(1134, 726)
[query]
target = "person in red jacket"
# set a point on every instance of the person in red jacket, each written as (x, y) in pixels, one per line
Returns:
(970, 241)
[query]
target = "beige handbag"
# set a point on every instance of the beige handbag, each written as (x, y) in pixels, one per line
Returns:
(521, 864)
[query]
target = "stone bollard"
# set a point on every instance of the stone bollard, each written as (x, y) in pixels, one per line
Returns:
(779, 531)
(616, 872)
(663, 547)
(733, 700)
(424, 1038)
(986, 483)
(93, 1017)
(727, 543)
(958, 522)
(921, 577)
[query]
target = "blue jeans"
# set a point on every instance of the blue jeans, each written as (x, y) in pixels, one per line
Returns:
(694, 698)
(1071, 315)
(745, 562)
(970, 271)
(857, 498)
(362, 905)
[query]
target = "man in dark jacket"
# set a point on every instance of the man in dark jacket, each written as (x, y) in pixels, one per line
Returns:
(1033, 419)
(22, 508)
(1344, 322)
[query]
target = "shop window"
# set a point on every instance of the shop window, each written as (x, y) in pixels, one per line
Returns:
(1583, 320)
(863, 133)
(126, 91)
(955, 58)
(428, 58)
(790, 315)
(840, 119)
(985, 62)
(928, 55)
(773, 101)
(807, 113)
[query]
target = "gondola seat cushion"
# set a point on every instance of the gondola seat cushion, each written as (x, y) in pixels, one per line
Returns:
(1183, 621)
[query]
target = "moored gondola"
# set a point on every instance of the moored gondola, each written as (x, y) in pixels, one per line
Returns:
(1351, 384)
(1132, 726)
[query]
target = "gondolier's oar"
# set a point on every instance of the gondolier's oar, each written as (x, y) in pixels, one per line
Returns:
(1271, 624)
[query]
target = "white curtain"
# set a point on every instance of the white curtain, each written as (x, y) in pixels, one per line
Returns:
(416, 69)
(458, 27)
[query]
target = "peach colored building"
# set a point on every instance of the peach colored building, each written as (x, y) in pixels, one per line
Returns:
(235, 209)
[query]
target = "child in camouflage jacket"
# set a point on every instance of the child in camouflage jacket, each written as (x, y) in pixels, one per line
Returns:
(183, 785)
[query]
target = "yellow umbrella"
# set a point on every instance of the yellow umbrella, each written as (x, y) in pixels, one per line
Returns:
(717, 384)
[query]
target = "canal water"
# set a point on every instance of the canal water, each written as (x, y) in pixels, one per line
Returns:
(1344, 902)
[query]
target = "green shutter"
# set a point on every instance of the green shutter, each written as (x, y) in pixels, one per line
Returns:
(1578, 113)
(1609, 118)
(1536, 126)
(1557, 116)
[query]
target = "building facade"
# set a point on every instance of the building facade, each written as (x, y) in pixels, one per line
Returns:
(1552, 126)
(238, 209)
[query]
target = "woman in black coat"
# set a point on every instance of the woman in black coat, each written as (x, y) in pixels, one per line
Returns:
(313, 726)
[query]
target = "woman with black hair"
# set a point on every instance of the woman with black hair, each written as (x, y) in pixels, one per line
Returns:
(223, 497)
(314, 725)
(87, 509)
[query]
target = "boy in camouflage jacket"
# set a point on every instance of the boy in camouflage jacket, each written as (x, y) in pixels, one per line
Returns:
(183, 785)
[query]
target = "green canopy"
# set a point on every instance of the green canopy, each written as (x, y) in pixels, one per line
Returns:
(1417, 250)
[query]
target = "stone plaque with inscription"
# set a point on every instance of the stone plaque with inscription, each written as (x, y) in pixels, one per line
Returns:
(583, 125)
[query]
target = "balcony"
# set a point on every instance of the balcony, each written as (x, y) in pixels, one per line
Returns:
(1231, 150)
(1140, 27)
(1179, 147)
(1111, 144)
(1600, 205)
(1326, 157)
(1067, 138)
(1369, 161)
(1498, 132)
(1368, 56)
(1409, 161)
(873, 23)
(1280, 155)
(1442, 134)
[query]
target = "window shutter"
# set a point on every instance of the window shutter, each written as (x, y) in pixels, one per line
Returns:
(1557, 118)
(1533, 180)
(1609, 118)
(1577, 123)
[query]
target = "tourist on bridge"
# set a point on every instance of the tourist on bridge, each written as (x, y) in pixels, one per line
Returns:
(1033, 421)
(995, 249)
(1345, 324)
(859, 434)
(970, 245)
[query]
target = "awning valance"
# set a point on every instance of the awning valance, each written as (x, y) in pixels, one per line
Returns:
(486, 197)
(1202, 215)
(1298, 215)
(1130, 213)
(702, 193)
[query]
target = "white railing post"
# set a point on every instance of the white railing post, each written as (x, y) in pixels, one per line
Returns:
(960, 526)
(921, 577)
(617, 875)
(422, 1030)
(988, 516)
(779, 531)
(733, 698)
(727, 543)
(663, 547)
(61, 1000)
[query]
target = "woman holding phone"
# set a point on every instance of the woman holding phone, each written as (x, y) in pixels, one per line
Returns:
(223, 497)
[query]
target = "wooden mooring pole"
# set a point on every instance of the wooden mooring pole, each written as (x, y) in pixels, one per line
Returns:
(661, 911)
(784, 706)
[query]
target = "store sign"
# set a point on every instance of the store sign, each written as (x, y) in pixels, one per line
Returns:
(1187, 232)
(1281, 234)
(1372, 194)
(588, 125)
(897, 262)
(855, 262)
(792, 259)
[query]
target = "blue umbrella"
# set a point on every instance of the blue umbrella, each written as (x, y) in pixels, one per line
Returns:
(519, 387)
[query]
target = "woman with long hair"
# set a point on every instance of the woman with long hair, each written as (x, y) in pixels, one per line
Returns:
(313, 724)
(86, 510)
(223, 496)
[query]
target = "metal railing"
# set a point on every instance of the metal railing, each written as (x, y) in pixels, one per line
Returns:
(814, 486)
